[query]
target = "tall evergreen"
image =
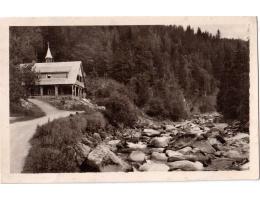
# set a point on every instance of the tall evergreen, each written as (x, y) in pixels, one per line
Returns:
(163, 65)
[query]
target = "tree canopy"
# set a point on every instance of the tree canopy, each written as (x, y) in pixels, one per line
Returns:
(171, 70)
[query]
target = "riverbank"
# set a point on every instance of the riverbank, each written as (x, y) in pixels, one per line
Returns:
(198, 144)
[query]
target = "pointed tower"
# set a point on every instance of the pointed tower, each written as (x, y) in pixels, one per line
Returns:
(48, 57)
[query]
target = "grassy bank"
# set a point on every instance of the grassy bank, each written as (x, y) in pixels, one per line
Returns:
(20, 113)
(65, 103)
(53, 143)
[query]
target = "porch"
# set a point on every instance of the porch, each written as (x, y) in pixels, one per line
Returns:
(59, 90)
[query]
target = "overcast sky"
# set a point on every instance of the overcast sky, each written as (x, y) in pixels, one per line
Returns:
(227, 31)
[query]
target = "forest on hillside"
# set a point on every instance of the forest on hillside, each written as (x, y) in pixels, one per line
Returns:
(168, 71)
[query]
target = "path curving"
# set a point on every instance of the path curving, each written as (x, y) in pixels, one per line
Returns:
(22, 132)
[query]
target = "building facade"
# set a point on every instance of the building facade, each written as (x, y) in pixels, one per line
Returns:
(59, 78)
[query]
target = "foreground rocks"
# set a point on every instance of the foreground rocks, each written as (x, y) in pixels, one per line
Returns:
(186, 165)
(153, 166)
(101, 157)
(194, 145)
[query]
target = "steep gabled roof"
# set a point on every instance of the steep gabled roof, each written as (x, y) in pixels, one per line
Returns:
(72, 68)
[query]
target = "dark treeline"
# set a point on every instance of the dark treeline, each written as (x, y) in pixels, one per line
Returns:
(170, 71)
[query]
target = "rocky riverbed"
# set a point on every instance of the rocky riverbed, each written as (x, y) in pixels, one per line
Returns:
(199, 144)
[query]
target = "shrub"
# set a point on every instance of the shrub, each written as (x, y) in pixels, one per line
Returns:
(52, 144)
(156, 107)
(207, 104)
(176, 110)
(50, 160)
(16, 109)
(95, 122)
(120, 111)
(169, 105)
(79, 107)
(100, 88)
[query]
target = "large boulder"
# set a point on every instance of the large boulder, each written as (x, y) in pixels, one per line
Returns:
(221, 164)
(221, 126)
(159, 156)
(189, 155)
(213, 141)
(196, 130)
(152, 166)
(204, 146)
(160, 142)
(235, 155)
(186, 165)
(113, 144)
(151, 132)
(185, 150)
(240, 136)
(136, 146)
(169, 127)
(174, 156)
(87, 142)
(171, 153)
(244, 166)
(159, 150)
(97, 137)
(137, 156)
(102, 156)
(183, 140)
(82, 152)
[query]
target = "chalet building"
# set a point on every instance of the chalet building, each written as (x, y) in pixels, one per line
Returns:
(59, 78)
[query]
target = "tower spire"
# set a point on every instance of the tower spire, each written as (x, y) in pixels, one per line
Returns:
(48, 57)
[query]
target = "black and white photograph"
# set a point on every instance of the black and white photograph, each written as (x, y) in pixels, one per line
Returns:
(131, 98)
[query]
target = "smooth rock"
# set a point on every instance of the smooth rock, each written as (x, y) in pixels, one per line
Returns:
(204, 146)
(159, 150)
(209, 124)
(244, 166)
(186, 165)
(212, 134)
(86, 141)
(160, 141)
(213, 141)
(185, 150)
(183, 141)
(195, 150)
(111, 168)
(196, 131)
(175, 158)
(155, 126)
(173, 132)
(234, 154)
(218, 153)
(240, 136)
(101, 155)
(151, 166)
(169, 127)
(221, 126)
(190, 157)
(159, 156)
(221, 164)
(137, 135)
(113, 144)
(97, 137)
(82, 152)
(171, 153)
(151, 132)
(136, 146)
(137, 156)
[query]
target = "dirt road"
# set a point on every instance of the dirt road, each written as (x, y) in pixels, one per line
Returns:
(22, 132)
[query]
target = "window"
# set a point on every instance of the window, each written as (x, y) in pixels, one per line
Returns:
(79, 78)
